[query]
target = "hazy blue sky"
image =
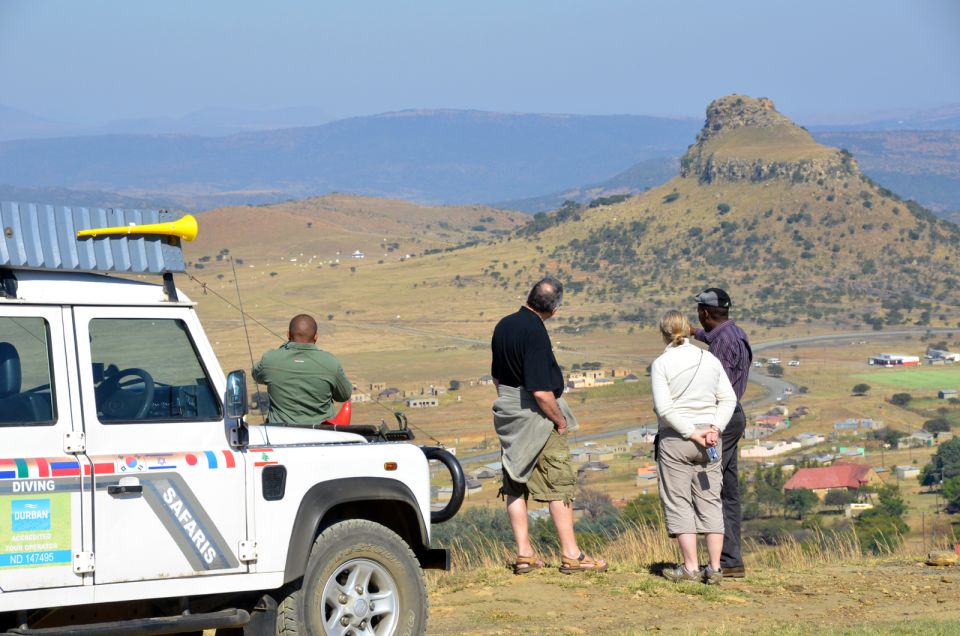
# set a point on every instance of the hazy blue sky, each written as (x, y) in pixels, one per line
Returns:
(94, 61)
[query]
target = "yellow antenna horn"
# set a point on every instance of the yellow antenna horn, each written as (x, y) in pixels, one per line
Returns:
(184, 227)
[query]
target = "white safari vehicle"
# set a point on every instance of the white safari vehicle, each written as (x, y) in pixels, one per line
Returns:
(135, 499)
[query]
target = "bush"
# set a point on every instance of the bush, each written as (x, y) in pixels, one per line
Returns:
(670, 198)
(879, 532)
(643, 510)
(861, 389)
(936, 425)
(901, 399)
(723, 208)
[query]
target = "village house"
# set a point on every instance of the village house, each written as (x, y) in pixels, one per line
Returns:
(630, 378)
(894, 360)
(359, 398)
(593, 466)
(619, 372)
(769, 449)
(647, 477)
(422, 402)
(390, 392)
(644, 435)
(485, 380)
(810, 439)
(945, 394)
(602, 454)
(820, 480)
(916, 439)
(907, 472)
(578, 455)
(940, 354)
(376, 387)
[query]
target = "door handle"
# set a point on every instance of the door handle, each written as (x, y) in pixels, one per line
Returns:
(124, 490)
(127, 486)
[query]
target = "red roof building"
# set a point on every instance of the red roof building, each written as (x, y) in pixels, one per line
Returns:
(840, 475)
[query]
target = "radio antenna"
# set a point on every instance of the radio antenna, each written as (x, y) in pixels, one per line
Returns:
(246, 334)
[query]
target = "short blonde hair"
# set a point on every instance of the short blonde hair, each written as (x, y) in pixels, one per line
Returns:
(674, 327)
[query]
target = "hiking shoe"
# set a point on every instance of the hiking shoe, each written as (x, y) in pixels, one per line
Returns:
(733, 572)
(711, 576)
(681, 573)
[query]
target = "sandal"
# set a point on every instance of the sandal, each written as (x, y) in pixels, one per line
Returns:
(582, 563)
(525, 564)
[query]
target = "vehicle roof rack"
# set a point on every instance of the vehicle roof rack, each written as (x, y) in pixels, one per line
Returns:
(43, 237)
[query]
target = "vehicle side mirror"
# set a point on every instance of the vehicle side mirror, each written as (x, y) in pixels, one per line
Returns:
(235, 400)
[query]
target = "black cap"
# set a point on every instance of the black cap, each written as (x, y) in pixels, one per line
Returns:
(713, 297)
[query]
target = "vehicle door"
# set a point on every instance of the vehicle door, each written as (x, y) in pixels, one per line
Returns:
(42, 500)
(169, 491)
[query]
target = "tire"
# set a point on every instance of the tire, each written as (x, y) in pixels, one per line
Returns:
(364, 555)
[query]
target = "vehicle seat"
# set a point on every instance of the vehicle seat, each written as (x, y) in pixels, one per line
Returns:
(10, 373)
(14, 408)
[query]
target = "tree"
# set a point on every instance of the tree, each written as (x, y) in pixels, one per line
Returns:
(768, 489)
(879, 532)
(936, 425)
(901, 399)
(839, 497)
(800, 501)
(882, 528)
(951, 492)
(889, 436)
(861, 389)
(775, 370)
(891, 501)
(945, 463)
(455, 385)
(929, 475)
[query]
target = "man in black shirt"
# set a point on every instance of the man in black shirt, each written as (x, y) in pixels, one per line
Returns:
(531, 419)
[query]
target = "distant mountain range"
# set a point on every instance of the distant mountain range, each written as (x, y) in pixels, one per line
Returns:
(527, 162)
(429, 156)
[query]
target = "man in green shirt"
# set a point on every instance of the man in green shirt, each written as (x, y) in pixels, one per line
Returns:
(302, 381)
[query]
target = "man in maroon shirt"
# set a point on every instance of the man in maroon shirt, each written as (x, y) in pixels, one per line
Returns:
(729, 343)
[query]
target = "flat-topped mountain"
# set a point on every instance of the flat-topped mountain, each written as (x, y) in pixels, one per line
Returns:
(747, 139)
(791, 226)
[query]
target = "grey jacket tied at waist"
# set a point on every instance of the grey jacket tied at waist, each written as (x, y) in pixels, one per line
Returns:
(523, 429)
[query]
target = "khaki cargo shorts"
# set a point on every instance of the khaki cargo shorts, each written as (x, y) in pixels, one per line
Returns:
(552, 478)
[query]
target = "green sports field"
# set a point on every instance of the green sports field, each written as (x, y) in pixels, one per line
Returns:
(917, 378)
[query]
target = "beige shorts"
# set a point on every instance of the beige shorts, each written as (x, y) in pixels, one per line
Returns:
(552, 478)
(689, 486)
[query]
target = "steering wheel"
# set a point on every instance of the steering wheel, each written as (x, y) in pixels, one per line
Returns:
(115, 402)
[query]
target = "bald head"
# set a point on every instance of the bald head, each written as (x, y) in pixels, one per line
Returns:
(303, 329)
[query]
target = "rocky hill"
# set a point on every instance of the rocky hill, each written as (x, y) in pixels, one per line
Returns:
(790, 225)
(747, 139)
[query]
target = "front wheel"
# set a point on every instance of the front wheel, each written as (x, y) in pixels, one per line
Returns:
(362, 579)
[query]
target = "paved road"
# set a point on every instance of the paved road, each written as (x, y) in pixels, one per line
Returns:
(775, 387)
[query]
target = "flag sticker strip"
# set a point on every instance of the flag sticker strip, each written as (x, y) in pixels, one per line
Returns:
(65, 469)
(36, 467)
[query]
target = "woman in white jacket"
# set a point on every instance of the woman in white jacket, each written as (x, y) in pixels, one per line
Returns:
(694, 401)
